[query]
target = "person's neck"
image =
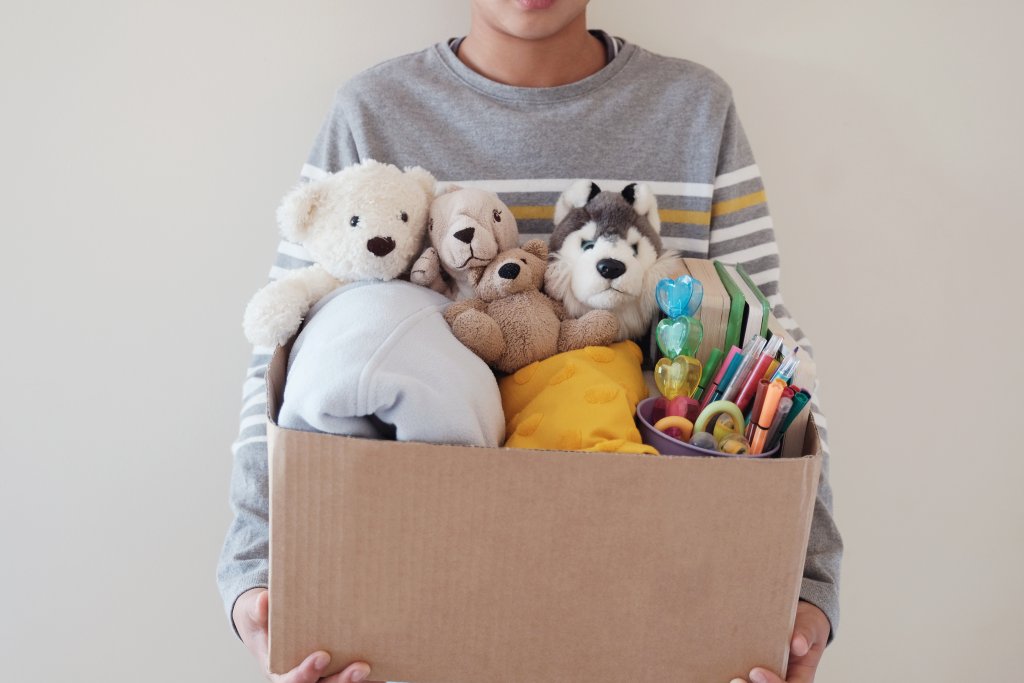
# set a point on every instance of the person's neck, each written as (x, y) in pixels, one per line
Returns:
(567, 57)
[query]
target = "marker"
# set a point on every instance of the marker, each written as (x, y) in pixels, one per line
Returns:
(746, 392)
(787, 369)
(800, 400)
(770, 372)
(762, 388)
(725, 373)
(774, 432)
(764, 421)
(751, 353)
(714, 361)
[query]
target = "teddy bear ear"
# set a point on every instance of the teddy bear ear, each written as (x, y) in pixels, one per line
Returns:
(423, 177)
(576, 197)
(298, 210)
(538, 248)
(644, 203)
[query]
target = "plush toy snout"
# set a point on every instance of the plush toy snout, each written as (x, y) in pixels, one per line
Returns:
(610, 268)
(380, 246)
(465, 235)
(509, 271)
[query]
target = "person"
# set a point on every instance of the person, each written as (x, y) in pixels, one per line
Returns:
(526, 102)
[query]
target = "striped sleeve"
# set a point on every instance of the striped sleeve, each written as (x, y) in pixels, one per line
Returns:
(742, 232)
(244, 559)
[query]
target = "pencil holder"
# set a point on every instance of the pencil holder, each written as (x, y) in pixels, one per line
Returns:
(666, 445)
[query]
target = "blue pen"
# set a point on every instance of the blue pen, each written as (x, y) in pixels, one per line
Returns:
(787, 369)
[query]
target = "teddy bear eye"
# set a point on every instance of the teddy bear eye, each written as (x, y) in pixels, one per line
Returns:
(354, 221)
(636, 248)
(405, 217)
(588, 245)
(497, 216)
(430, 224)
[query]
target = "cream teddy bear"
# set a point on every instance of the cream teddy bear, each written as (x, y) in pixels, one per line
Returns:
(365, 222)
(467, 228)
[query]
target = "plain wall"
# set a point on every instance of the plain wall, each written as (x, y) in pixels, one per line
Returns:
(143, 150)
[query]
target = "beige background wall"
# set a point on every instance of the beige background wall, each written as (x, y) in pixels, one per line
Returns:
(144, 146)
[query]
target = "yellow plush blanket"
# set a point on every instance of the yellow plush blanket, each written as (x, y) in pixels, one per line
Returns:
(577, 401)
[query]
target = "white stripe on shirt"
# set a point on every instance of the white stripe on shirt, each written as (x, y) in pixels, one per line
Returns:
(559, 185)
(738, 176)
(745, 228)
(765, 276)
(311, 172)
(294, 250)
(744, 255)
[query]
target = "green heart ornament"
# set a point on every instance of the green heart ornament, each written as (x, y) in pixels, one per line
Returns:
(679, 376)
(679, 336)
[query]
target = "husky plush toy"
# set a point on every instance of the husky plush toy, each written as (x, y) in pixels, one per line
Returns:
(606, 253)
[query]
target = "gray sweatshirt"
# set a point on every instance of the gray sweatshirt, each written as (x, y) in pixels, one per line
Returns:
(643, 117)
(377, 360)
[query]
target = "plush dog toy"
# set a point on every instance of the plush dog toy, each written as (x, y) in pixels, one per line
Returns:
(606, 254)
(467, 228)
(512, 323)
(365, 222)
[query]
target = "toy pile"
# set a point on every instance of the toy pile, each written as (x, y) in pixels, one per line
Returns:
(416, 299)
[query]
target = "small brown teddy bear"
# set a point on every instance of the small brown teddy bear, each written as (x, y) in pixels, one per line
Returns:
(467, 227)
(512, 323)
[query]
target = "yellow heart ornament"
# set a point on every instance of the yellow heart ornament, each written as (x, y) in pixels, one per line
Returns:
(679, 376)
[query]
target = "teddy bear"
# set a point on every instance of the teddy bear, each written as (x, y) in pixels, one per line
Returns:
(365, 222)
(467, 227)
(607, 256)
(511, 323)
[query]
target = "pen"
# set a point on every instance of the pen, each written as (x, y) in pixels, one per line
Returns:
(714, 361)
(800, 399)
(746, 392)
(787, 369)
(730, 362)
(762, 388)
(751, 353)
(764, 422)
(774, 432)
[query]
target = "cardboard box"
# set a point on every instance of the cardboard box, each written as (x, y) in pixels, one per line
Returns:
(442, 564)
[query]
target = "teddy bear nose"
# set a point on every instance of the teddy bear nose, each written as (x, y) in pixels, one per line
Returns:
(380, 246)
(509, 271)
(465, 235)
(610, 268)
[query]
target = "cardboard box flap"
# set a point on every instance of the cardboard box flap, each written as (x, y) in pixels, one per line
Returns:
(460, 565)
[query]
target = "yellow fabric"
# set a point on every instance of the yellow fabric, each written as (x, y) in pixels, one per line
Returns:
(577, 401)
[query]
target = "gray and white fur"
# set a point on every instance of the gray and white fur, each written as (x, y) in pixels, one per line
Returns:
(606, 253)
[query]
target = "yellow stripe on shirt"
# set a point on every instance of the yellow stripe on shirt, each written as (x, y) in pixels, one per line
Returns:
(738, 204)
(527, 213)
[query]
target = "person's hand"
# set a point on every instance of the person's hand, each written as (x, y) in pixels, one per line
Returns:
(250, 617)
(810, 633)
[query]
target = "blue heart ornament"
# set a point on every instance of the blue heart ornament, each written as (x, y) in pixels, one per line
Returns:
(681, 296)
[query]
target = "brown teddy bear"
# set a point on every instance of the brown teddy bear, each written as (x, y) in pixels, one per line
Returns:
(467, 228)
(512, 323)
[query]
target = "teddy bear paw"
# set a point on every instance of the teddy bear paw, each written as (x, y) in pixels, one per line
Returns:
(272, 321)
(427, 268)
(594, 328)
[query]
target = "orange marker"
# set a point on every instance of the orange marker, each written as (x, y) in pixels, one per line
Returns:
(764, 420)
